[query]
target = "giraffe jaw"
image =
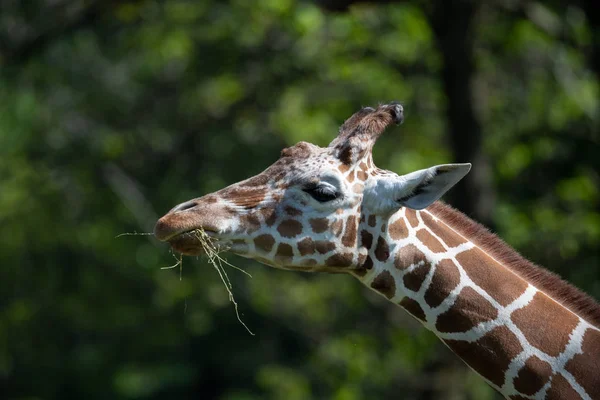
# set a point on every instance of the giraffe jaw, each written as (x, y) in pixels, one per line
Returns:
(189, 243)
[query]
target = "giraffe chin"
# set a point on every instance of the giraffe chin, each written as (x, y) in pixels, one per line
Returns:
(187, 244)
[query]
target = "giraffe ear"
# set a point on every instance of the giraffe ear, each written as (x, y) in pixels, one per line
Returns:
(420, 189)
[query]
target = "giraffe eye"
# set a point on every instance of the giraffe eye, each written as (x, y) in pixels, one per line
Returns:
(321, 194)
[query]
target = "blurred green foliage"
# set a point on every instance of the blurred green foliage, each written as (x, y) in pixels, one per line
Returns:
(146, 104)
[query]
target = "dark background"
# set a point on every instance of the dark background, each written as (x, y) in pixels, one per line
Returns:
(113, 112)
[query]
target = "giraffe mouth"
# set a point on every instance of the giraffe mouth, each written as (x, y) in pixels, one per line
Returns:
(190, 243)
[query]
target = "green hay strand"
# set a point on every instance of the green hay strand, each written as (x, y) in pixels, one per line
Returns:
(212, 251)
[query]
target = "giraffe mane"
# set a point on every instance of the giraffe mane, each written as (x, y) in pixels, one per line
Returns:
(548, 282)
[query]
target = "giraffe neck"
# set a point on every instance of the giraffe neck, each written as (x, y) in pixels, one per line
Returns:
(520, 338)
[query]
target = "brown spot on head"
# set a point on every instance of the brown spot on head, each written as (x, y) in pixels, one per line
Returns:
(441, 230)
(319, 225)
(382, 251)
(268, 214)
(533, 376)
(299, 150)
(358, 188)
(244, 197)
(414, 279)
(372, 220)
(290, 228)
(469, 309)
(363, 166)
(210, 199)
(491, 355)
(345, 155)
(445, 279)
(413, 307)
(502, 284)
(351, 177)
(362, 176)
(293, 212)
(558, 323)
(306, 246)
(324, 246)
(250, 222)
(562, 390)
(284, 250)
(398, 230)
(264, 242)
(384, 284)
(339, 260)
(343, 168)
(411, 216)
(581, 364)
(349, 238)
(407, 256)
(430, 241)
(366, 239)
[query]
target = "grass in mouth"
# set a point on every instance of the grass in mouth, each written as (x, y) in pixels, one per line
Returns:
(212, 251)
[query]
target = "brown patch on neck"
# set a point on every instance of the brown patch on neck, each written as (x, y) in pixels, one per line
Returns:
(398, 230)
(372, 221)
(382, 251)
(407, 256)
(339, 260)
(491, 355)
(557, 321)
(561, 390)
(414, 279)
(469, 309)
(445, 279)
(533, 376)
(411, 216)
(413, 307)
(430, 241)
(384, 283)
(499, 282)
(366, 239)
(546, 281)
(581, 365)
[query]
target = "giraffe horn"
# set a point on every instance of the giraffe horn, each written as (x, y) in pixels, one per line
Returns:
(359, 133)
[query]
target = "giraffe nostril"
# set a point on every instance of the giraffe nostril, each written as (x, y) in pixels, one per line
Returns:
(185, 206)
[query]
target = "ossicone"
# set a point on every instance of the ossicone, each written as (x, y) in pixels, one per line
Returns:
(359, 133)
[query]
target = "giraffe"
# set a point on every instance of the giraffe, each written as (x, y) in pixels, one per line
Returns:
(529, 334)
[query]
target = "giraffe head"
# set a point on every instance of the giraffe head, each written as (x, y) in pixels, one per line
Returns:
(304, 211)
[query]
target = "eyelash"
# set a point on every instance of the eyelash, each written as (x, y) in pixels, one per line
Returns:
(320, 194)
